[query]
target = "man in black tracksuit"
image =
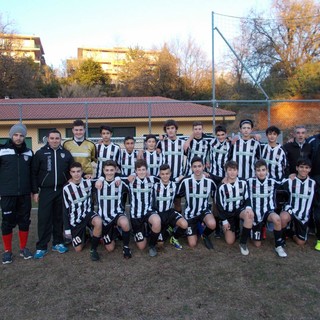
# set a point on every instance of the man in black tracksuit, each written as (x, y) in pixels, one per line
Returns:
(314, 143)
(15, 191)
(50, 172)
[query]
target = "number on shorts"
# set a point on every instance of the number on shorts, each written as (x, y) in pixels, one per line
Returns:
(76, 241)
(257, 234)
(189, 231)
(107, 239)
(138, 236)
(160, 238)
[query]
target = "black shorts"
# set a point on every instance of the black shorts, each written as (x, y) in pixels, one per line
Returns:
(139, 227)
(193, 223)
(234, 222)
(169, 217)
(109, 231)
(300, 229)
(78, 232)
(256, 228)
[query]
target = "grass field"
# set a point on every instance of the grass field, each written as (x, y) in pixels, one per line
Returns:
(187, 284)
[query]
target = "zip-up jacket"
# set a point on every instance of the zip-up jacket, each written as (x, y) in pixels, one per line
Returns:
(50, 168)
(294, 152)
(15, 169)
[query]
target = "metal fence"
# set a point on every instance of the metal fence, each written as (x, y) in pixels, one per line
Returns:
(285, 114)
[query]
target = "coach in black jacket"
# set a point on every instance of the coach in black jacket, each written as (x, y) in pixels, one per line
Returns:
(298, 148)
(15, 191)
(314, 143)
(50, 171)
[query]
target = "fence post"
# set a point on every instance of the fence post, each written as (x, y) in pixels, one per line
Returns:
(20, 112)
(269, 113)
(87, 116)
(149, 116)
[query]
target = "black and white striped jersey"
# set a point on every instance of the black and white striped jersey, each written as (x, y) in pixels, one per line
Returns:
(140, 191)
(109, 200)
(276, 160)
(104, 153)
(128, 161)
(245, 153)
(77, 200)
(154, 161)
(219, 154)
(197, 148)
(232, 197)
(173, 154)
(197, 194)
(262, 197)
(163, 196)
(301, 197)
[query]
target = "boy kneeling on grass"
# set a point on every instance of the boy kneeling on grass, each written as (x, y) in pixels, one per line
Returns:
(262, 194)
(301, 191)
(77, 196)
(111, 209)
(233, 203)
(163, 195)
(197, 189)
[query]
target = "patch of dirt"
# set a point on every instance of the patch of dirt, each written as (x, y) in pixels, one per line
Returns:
(186, 284)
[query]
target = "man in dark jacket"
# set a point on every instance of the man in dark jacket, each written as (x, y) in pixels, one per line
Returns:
(15, 191)
(298, 148)
(50, 171)
(314, 143)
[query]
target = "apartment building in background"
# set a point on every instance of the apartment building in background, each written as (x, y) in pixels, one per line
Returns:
(19, 45)
(110, 59)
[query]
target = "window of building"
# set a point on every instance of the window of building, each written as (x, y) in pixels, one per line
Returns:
(43, 132)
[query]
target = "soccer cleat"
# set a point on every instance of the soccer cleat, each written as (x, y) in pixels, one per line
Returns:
(26, 254)
(127, 253)
(152, 251)
(94, 255)
(40, 254)
(317, 246)
(7, 257)
(61, 248)
(175, 243)
(281, 253)
(207, 242)
(244, 249)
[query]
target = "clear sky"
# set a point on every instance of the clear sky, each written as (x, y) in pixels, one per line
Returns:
(65, 25)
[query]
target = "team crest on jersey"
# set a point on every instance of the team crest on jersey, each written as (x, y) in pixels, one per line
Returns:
(278, 157)
(251, 148)
(63, 155)
(111, 154)
(26, 158)
(205, 189)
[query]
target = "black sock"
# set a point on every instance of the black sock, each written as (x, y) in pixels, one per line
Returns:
(207, 232)
(179, 232)
(278, 240)
(125, 238)
(244, 235)
(95, 242)
(153, 238)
